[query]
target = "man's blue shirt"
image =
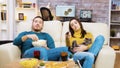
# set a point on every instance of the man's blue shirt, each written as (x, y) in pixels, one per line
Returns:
(28, 43)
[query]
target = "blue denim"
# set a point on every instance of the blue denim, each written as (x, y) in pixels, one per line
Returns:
(30, 53)
(51, 54)
(54, 54)
(89, 56)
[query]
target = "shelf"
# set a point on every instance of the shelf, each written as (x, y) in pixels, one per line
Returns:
(3, 21)
(117, 51)
(116, 24)
(25, 8)
(115, 10)
(114, 37)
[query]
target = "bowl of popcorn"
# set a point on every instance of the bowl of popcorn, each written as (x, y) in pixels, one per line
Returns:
(39, 43)
(29, 63)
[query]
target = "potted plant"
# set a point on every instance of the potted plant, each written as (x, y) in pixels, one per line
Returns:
(42, 65)
(112, 33)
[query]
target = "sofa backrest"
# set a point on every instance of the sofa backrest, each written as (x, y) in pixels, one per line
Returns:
(54, 28)
(57, 31)
(95, 28)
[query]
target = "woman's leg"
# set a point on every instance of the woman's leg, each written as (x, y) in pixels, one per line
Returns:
(88, 58)
(54, 54)
(30, 53)
(97, 45)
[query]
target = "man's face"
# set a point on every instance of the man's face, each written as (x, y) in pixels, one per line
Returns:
(37, 24)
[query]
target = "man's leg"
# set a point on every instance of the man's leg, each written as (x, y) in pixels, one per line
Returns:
(86, 56)
(97, 45)
(54, 54)
(30, 53)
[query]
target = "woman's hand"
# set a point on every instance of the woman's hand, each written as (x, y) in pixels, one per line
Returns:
(68, 35)
(81, 48)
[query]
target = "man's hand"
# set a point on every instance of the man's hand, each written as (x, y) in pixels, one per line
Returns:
(33, 37)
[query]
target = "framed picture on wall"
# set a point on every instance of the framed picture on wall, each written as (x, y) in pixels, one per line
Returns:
(21, 16)
(86, 15)
(65, 11)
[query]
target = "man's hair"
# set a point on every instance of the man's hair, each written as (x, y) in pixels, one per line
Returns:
(37, 17)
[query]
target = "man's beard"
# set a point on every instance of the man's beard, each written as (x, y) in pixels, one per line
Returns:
(37, 30)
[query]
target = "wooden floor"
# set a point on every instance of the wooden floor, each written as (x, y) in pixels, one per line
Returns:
(117, 61)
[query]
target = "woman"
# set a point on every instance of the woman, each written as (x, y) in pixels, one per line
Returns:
(84, 46)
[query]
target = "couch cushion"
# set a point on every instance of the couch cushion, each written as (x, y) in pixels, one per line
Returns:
(54, 29)
(95, 28)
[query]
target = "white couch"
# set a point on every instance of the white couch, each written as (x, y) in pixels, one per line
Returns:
(105, 59)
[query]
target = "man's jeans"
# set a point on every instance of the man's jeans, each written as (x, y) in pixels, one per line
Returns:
(51, 54)
(89, 56)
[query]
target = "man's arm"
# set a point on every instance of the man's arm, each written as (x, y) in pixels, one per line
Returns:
(50, 41)
(18, 40)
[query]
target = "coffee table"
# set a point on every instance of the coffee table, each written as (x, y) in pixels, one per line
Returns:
(16, 64)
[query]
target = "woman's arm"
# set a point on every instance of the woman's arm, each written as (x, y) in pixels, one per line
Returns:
(86, 44)
(67, 37)
(89, 36)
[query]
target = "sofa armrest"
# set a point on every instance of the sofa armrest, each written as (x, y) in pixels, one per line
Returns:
(8, 53)
(105, 58)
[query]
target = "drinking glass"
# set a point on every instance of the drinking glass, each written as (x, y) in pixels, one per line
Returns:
(64, 56)
(37, 54)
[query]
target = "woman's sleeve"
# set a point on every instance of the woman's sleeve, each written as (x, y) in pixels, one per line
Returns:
(67, 42)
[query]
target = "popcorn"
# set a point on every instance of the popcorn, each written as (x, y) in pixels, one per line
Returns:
(29, 63)
(39, 43)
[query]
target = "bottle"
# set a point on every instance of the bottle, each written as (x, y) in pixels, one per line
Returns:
(118, 34)
(34, 5)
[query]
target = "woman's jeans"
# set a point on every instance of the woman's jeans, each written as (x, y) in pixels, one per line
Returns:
(89, 56)
(51, 54)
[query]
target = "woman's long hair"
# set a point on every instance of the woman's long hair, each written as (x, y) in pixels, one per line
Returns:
(83, 32)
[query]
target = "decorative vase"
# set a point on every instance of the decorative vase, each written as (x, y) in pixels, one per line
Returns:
(112, 33)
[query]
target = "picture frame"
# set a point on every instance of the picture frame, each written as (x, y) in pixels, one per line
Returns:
(65, 11)
(21, 16)
(86, 15)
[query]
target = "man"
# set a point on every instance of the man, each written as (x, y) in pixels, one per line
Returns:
(24, 40)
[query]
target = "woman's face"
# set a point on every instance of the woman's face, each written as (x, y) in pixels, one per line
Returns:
(37, 24)
(74, 24)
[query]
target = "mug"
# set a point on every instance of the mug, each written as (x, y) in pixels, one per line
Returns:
(64, 56)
